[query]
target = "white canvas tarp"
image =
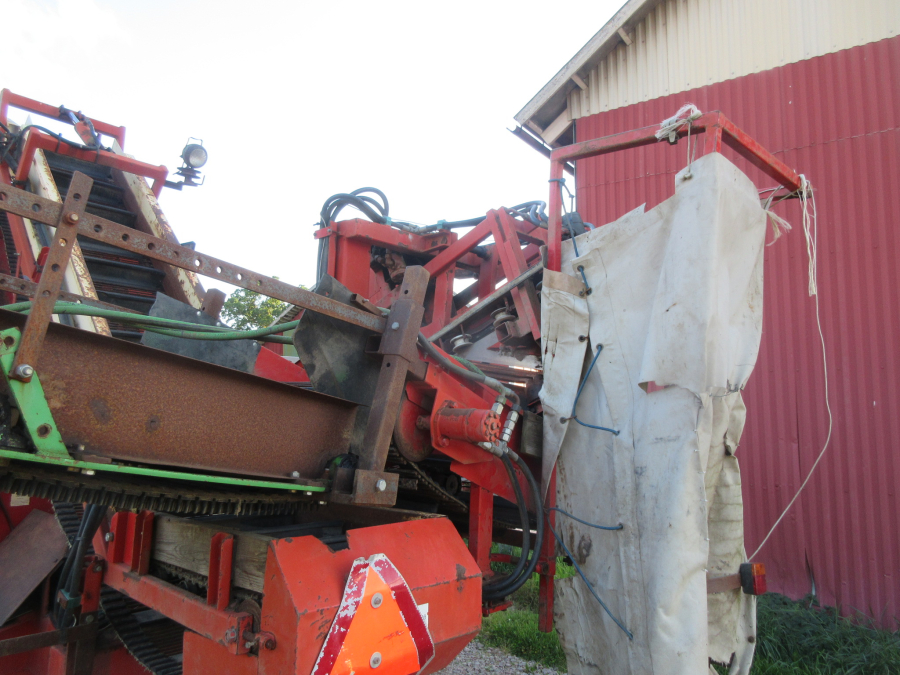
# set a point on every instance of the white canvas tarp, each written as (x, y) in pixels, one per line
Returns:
(676, 302)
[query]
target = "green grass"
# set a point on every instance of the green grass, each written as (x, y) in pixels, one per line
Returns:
(516, 629)
(798, 638)
(794, 638)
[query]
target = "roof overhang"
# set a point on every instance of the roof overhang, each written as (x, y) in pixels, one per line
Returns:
(546, 114)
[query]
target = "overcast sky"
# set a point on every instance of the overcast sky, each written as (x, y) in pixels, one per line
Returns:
(296, 101)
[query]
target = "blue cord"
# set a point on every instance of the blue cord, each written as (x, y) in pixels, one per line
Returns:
(587, 289)
(578, 396)
(584, 522)
(588, 583)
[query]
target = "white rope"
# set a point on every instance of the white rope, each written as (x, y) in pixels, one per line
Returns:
(779, 224)
(807, 198)
(669, 128)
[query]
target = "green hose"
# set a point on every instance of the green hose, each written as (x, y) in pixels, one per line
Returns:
(468, 364)
(170, 327)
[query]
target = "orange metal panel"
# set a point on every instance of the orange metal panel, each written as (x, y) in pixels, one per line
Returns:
(305, 584)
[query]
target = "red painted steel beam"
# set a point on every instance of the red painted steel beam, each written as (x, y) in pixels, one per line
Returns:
(546, 567)
(448, 257)
(481, 519)
(757, 155)
(38, 140)
(385, 235)
(720, 129)
(10, 100)
(218, 587)
(222, 626)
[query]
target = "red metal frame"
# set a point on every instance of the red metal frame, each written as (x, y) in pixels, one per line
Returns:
(129, 560)
(38, 140)
(349, 256)
(10, 100)
(719, 130)
(218, 587)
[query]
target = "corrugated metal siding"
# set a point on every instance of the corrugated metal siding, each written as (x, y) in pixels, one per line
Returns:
(835, 118)
(684, 44)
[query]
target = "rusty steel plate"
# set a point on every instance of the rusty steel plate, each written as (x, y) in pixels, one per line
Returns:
(128, 402)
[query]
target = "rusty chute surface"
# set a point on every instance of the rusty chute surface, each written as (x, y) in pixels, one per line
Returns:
(127, 402)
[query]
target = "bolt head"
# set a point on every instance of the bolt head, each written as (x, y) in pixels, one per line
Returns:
(375, 661)
(72, 218)
(380, 485)
(377, 599)
(395, 326)
(109, 536)
(295, 474)
(89, 618)
(24, 370)
(248, 645)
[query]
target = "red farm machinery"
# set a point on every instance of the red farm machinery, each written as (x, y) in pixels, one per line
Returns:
(181, 497)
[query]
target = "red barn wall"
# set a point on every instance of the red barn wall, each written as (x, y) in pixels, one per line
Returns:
(835, 118)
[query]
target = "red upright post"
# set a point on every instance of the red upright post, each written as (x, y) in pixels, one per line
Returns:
(554, 227)
(481, 519)
(547, 563)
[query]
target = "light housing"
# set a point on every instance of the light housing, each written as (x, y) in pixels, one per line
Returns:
(194, 155)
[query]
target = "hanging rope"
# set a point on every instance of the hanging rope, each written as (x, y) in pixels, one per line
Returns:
(808, 205)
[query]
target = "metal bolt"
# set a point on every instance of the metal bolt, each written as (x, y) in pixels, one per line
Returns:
(97, 569)
(248, 645)
(109, 536)
(72, 218)
(395, 326)
(295, 474)
(582, 338)
(89, 618)
(380, 485)
(24, 371)
(375, 661)
(377, 599)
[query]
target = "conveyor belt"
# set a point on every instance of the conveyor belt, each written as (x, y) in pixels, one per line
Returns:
(120, 277)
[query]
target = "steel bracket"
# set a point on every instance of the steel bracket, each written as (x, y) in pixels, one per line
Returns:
(30, 399)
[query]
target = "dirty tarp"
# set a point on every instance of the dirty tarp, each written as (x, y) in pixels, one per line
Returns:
(676, 303)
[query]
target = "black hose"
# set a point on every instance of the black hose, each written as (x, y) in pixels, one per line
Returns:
(70, 577)
(513, 586)
(379, 212)
(489, 588)
(480, 378)
(6, 516)
(369, 206)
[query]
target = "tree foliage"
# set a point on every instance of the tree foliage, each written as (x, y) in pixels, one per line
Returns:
(246, 310)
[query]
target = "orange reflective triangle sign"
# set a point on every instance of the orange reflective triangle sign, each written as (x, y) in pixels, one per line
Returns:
(378, 628)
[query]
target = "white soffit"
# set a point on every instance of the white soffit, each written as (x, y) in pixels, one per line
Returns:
(676, 45)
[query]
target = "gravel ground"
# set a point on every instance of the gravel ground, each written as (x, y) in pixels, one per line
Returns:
(476, 659)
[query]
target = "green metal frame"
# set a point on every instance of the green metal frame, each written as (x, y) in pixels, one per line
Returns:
(50, 449)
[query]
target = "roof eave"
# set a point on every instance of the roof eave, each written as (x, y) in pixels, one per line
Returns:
(604, 41)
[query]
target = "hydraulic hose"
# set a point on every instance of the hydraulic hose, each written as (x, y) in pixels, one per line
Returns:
(514, 585)
(70, 577)
(456, 369)
(171, 327)
(489, 589)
